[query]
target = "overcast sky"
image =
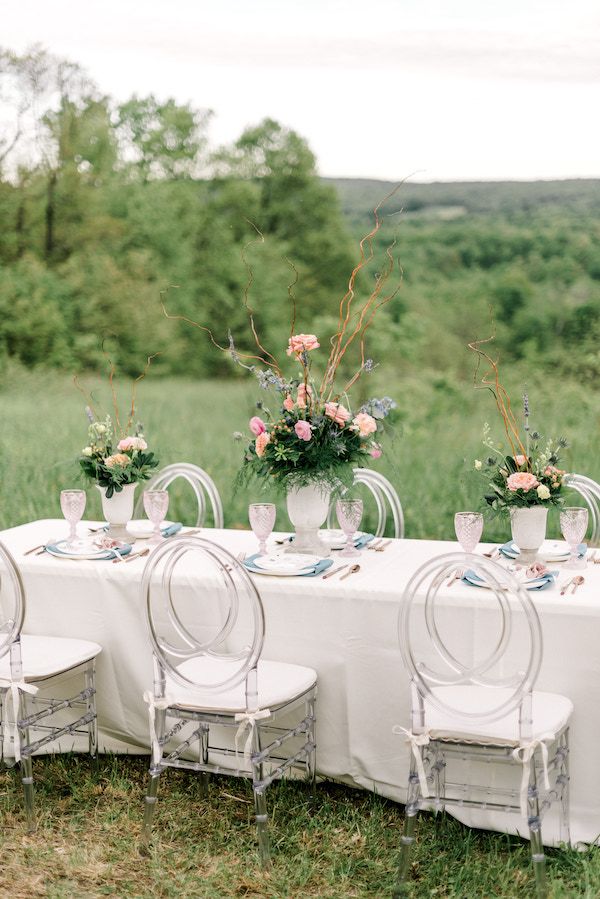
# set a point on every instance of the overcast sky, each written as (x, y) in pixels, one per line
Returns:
(447, 89)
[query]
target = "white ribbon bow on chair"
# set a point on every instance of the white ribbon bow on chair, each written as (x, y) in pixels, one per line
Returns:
(416, 741)
(524, 753)
(247, 721)
(154, 704)
(14, 687)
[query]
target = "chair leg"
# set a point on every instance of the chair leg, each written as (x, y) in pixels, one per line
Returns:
(311, 738)
(260, 801)
(90, 683)
(26, 765)
(535, 834)
(203, 758)
(563, 780)
(408, 836)
(150, 800)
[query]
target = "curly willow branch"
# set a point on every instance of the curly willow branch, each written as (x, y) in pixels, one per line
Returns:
(260, 239)
(500, 395)
(111, 381)
(134, 387)
(88, 397)
(292, 295)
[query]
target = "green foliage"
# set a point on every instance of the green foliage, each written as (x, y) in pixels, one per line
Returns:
(114, 467)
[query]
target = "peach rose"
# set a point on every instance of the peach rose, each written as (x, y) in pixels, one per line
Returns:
(288, 403)
(132, 443)
(303, 430)
(365, 424)
(302, 343)
(337, 413)
(520, 460)
(304, 393)
(257, 425)
(117, 459)
(521, 480)
(261, 443)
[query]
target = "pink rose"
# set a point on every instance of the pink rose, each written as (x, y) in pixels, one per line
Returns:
(520, 460)
(301, 343)
(376, 451)
(257, 425)
(303, 430)
(521, 480)
(304, 393)
(132, 443)
(337, 413)
(260, 443)
(365, 424)
(288, 403)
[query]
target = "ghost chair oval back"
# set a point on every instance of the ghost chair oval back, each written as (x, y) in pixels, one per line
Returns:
(206, 627)
(203, 487)
(31, 669)
(385, 498)
(472, 671)
(590, 491)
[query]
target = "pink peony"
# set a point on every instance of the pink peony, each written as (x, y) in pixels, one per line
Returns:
(304, 392)
(365, 424)
(132, 443)
(521, 480)
(337, 413)
(288, 403)
(257, 425)
(303, 430)
(261, 443)
(520, 460)
(117, 459)
(301, 343)
(376, 451)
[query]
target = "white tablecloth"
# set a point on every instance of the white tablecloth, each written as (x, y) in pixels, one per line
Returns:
(346, 630)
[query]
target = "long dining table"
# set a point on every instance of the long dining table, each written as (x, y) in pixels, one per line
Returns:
(346, 630)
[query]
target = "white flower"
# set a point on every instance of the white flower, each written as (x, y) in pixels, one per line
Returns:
(477, 464)
(86, 451)
(543, 492)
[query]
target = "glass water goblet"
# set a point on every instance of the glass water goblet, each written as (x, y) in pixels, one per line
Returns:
(72, 504)
(262, 522)
(573, 524)
(468, 527)
(349, 514)
(156, 503)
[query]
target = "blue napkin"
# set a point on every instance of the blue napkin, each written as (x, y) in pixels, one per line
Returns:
(321, 566)
(511, 550)
(537, 583)
(171, 529)
(124, 550)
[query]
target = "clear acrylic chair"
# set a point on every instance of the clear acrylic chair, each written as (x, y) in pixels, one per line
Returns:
(472, 669)
(230, 711)
(31, 667)
(590, 491)
(202, 484)
(385, 497)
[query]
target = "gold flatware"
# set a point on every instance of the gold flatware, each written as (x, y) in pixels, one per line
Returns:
(353, 570)
(456, 575)
(375, 544)
(382, 546)
(33, 549)
(41, 551)
(577, 582)
(492, 553)
(592, 555)
(566, 586)
(137, 555)
(334, 571)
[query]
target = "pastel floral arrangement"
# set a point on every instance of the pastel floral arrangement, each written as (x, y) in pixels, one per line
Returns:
(310, 438)
(528, 475)
(113, 466)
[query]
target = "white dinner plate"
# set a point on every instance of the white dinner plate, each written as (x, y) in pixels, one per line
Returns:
(141, 528)
(59, 549)
(336, 539)
(286, 565)
(531, 584)
(550, 551)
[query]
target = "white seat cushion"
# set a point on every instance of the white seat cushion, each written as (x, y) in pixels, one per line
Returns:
(48, 656)
(551, 712)
(278, 683)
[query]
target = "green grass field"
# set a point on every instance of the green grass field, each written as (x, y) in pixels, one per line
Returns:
(344, 844)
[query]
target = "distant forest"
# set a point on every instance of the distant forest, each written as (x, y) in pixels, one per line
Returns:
(108, 208)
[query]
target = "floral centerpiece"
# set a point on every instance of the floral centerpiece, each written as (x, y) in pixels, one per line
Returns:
(523, 478)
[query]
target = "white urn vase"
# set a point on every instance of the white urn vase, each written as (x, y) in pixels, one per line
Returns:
(118, 511)
(528, 528)
(307, 509)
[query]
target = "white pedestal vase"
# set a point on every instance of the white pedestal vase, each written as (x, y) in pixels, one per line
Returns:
(118, 511)
(528, 528)
(307, 508)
